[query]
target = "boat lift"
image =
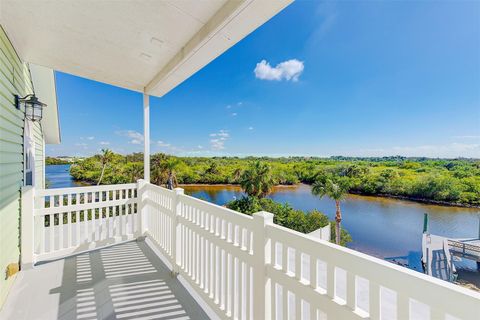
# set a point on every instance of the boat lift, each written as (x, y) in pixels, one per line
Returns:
(438, 252)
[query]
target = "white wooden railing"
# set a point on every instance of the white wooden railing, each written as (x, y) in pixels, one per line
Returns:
(68, 220)
(246, 267)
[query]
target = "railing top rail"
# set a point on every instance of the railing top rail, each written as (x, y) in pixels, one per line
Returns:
(84, 206)
(160, 189)
(219, 210)
(458, 245)
(61, 191)
(349, 259)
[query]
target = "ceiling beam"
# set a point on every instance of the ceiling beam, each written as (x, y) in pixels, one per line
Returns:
(219, 20)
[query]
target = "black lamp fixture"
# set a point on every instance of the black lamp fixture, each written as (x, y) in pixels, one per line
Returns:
(33, 107)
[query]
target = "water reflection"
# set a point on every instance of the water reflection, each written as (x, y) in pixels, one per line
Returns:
(58, 176)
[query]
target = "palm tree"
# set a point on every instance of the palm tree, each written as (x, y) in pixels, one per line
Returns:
(158, 174)
(237, 174)
(336, 189)
(105, 158)
(256, 181)
(134, 170)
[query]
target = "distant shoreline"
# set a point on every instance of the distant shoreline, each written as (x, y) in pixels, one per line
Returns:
(387, 196)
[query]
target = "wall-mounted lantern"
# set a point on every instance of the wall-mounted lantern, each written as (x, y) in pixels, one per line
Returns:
(33, 107)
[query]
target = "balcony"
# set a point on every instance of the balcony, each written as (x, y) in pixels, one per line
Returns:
(139, 251)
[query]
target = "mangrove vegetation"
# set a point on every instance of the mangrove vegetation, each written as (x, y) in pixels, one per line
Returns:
(442, 181)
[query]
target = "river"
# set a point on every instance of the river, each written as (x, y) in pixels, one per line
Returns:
(390, 229)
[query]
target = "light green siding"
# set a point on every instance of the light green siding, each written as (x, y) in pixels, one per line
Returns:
(14, 79)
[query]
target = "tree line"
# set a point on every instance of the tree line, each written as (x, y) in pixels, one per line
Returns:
(440, 180)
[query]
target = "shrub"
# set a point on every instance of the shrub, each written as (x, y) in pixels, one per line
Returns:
(286, 216)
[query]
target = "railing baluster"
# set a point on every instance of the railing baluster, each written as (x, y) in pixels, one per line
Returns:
(189, 252)
(202, 263)
(94, 225)
(60, 230)
(207, 267)
(273, 252)
(235, 288)
(86, 237)
(51, 247)
(240, 287)
(70, 228)
(224, 280)
(77, 226)
(248, 294)
(42, 230)
(212, 270)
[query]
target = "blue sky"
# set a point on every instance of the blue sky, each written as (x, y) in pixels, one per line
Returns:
(347, 78)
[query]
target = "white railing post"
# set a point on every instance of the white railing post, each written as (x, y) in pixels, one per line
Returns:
(261, 254)
(27, 225)
(175, 246)
(142, 208)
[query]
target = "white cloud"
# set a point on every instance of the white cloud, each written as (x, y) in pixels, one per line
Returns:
(467, 137)
(288, 70)
(250, 128)
(239, 103)
(218, 139)
(90, 138)
(163, 144)
(135, 137)
(234, 114)
(82, 145)
(221, 133)
(229, 106)
(104, 143)
(452, 150)
(200, 147)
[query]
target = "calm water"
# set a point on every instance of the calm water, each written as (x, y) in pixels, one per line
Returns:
(58, 176)
(386, 228)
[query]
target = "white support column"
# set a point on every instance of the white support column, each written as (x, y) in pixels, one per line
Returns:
(146, 138)
(27, 225)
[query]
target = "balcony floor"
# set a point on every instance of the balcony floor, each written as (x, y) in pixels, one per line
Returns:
(126, 281)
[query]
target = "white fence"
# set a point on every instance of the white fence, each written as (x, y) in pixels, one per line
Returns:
(71, 220)
(246, 267)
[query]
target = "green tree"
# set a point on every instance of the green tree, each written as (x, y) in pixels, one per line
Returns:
(335, 188)
(105, 158)
(134, 170)
(158, 173)
(237, 174)
(257, 180)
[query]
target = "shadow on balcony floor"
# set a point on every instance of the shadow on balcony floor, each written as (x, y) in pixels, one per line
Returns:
(126, 281)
